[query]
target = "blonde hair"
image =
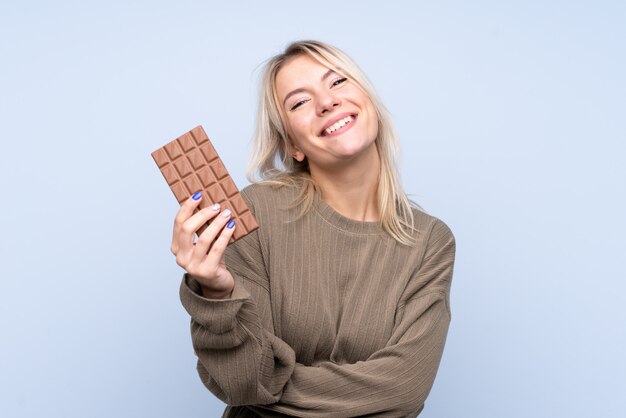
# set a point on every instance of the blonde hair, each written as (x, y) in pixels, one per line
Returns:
(272, 162)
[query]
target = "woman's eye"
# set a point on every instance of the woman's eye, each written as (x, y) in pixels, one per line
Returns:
(339, 81)
(297, 105)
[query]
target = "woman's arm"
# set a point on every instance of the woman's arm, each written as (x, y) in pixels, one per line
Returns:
(240, 359)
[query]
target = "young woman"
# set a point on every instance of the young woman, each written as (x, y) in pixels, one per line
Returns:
(338, 305)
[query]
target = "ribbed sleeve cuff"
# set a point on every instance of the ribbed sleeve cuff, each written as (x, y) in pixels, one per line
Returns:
(218, 316)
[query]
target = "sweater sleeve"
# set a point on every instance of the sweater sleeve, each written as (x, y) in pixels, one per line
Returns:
(242, 362)
(240, 359)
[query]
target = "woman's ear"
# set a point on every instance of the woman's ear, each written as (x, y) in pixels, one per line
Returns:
(297, 154)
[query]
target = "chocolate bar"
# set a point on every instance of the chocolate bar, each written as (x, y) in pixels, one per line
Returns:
(189, 164)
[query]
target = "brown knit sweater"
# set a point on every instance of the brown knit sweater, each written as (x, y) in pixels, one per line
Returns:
(329, 317)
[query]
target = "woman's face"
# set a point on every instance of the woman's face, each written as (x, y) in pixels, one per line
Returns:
(330, 120)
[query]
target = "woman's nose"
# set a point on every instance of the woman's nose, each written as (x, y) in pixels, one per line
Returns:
(327, 102)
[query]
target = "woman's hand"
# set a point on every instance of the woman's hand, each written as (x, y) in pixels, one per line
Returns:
(204, 260)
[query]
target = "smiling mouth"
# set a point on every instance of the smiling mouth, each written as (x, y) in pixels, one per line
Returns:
(339, 126)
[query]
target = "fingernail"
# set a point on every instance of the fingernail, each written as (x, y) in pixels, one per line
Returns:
(215, 207)
(230, 224)
(196, 195)
(226, 213)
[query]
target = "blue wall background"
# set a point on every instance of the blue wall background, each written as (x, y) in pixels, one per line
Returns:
(512, 121)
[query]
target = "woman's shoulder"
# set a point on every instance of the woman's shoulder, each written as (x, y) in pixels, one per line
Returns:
(267, 194)
(426, 225)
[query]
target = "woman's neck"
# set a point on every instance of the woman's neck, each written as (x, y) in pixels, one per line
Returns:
(352, 190)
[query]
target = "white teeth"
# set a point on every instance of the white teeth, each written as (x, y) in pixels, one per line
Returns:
(338, 124)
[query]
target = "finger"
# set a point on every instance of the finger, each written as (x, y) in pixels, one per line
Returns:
(184, 213)
(187, 208)
(207, 238)
(190, 227)
(219, 246)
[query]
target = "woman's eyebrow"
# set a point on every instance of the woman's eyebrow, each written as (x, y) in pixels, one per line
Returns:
(300, 90)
